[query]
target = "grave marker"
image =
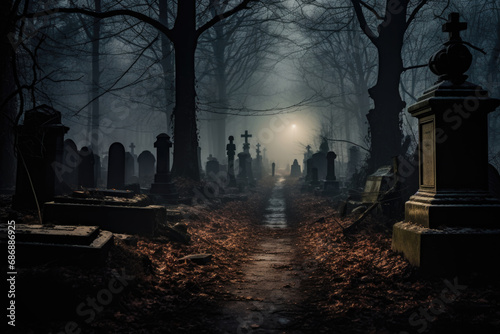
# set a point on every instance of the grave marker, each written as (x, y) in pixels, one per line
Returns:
(163, 184)
(451, 223)
(116, 166)
(86, 176)
(146, 162)
(231, 150)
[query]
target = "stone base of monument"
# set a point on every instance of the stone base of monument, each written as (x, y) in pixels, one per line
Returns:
(40, 244)
(453, 208)
(447, 250)
(330, 188)
(119, 215)
(164, 192)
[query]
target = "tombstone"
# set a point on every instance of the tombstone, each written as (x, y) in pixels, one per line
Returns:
(242, 176)
(40, 153)
(86, 176)
(116, 166)
(231, 149)
(295, 169)
(212, 166)
(451, 224)
(71, 161)
(129, 168)
(377, 184)
(331, 185)
(163, 184)
(319, 161)
(146, 162)
(273, 166)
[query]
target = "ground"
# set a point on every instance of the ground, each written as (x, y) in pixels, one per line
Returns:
(305, 278)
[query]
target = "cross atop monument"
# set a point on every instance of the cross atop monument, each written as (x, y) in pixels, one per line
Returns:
(246, 136)
(132, 146)
(258, 149)
(308, 148)
(454, 26)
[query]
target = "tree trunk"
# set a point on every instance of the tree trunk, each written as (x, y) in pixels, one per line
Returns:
(167, 64)
(96, 74)
(185, 129)
(8, 110)
(384, 121)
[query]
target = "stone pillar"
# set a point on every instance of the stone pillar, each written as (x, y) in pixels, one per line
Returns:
(453, 189)
(273, 167)
(163, 184)
(309, 167)
(231, 149)
(39, 157)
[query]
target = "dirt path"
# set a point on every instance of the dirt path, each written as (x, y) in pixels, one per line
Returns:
(267, 299)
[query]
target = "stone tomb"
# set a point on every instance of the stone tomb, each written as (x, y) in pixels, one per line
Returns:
(118, 211)
(452, 223)
(377, 184)
(74, 244)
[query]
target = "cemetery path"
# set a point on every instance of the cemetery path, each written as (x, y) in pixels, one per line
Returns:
(267, 300)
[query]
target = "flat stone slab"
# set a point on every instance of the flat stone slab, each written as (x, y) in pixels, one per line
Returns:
(37, 244)
(114, 218)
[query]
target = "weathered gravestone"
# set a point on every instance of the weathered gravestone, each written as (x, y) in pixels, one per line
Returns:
(40, 153)
(273, 166)
(163, 185)
(86, 176)
(212, 166)
(71, 161)
(231, 150)
(295, 169)
(116, 166)
(146, 162)
(130, 168)
(319, 162)
(451, 224)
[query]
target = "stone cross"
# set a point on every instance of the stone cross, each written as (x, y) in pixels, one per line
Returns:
(258, 150)
(246, 145)
(231, 149)
(132, 146)
(308, 148)
(454, 26)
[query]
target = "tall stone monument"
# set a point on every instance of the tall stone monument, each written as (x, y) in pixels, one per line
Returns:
(331, 185)
(452, 223)
(163, 185)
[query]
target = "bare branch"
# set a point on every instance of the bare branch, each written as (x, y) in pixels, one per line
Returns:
(415, 12)
(362, 22)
